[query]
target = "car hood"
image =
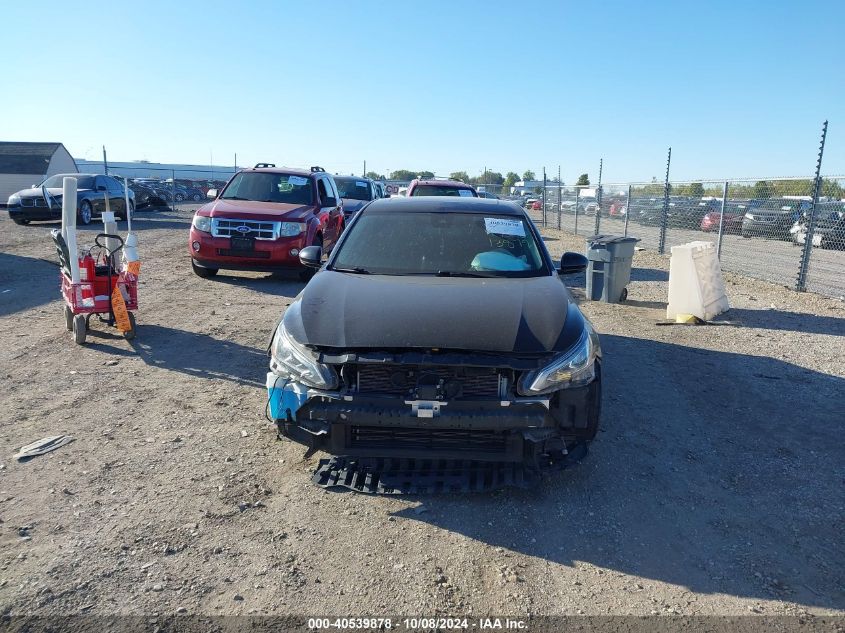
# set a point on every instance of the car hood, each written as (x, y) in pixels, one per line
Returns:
(248, 210)
(504, 315)
(351, 205)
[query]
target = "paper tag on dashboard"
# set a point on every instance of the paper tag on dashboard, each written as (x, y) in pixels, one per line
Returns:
(297, 180)
(503, 226)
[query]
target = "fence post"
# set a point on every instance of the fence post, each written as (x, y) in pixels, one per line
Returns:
(559, 197)
(544, 196)
(577, 192)
(807, 252)
(661, 248)
(598, 199)
(173, 187)
(627, 210)
(722, 221)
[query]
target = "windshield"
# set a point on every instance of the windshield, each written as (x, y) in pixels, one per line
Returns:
(269, 187)
(447, 244)
(353, 188)
(56, 182)
(437, 190)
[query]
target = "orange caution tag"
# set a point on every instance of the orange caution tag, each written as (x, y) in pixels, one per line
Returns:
(121, 314)
(134, 267)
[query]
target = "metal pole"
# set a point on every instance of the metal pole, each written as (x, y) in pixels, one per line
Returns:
(173, 186)
(807, 252)
(364, 175)
(598, 199)
(105, 162)
(559, 196)
(544, 196)
(627, 210)
(722, 221)
(661, 248)
(577, 191)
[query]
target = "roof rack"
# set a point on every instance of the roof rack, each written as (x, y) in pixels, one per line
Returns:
(263, 165)
(316, 168)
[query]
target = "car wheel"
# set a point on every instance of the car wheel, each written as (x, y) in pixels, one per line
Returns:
(68, 319)
(80, 328)
(205, 273)
(21, 222)
(85, 213)
(196, 197)
(746, 235)
(306, 274)
(179, 197)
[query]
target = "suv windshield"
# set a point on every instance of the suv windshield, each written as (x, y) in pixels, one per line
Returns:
(447, 244)
(353, 188)
(57, 181)
(269, 187)
(438, 190)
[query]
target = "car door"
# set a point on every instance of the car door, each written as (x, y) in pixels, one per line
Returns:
(331, 213)
(117, 202)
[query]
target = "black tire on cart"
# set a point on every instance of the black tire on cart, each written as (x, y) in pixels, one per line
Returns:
(68, 319)
(80, 329)
(130, 334)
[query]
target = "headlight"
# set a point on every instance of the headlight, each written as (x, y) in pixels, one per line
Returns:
(292, 360)
(749, 216)
(202, 223)
(575, 367)
(14, 200)
(291, 229)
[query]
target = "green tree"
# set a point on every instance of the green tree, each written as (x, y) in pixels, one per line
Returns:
(375, 176)
(583, 180)
(528, 175)
(695, 190)
(489, 178)
(403, 174)
(763, 189)
(460, 175)
(832, 189)
(511, 179)
(426, 175)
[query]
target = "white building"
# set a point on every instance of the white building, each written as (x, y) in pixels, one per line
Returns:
(25, 164)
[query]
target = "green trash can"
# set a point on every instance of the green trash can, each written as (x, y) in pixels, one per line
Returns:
(609, 259)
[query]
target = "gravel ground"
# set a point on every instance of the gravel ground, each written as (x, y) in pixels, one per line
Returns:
(714, 487)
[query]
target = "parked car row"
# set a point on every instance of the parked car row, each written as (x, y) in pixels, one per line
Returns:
(94, 194)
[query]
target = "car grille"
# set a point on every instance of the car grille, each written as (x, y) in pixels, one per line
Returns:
(434, 440)
(401, 380)
(34, 202)
(259, 229)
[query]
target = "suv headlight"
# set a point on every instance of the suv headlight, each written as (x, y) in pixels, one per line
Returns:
(575, 367)
(202, 223)
(291, 229)
(289, 359)
(14, 200)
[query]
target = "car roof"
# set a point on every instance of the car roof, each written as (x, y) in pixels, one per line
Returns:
(444, 204)
(307, 173)
(444, 183)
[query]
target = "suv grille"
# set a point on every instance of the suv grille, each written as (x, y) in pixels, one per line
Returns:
(259, 229)
(401, 380)
(455, 440)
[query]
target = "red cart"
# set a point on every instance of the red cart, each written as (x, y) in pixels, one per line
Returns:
(103, 290)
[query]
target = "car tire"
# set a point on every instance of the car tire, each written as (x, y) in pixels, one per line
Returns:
(746, 235)
(85, 213)
(196, 197)
(308, 273)
(179, 197)
(205, 273)
(80, 329)
(21, 222)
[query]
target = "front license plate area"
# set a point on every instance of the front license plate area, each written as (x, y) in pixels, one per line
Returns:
(243, 244)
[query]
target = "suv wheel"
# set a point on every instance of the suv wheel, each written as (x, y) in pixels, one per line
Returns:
(307, 273)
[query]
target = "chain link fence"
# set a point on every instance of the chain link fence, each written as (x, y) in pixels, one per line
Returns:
(760, 227)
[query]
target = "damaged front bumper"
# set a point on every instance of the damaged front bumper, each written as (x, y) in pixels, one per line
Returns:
(514, 429)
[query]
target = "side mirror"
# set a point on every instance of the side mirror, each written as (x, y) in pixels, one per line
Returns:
(330, 202)
(211, 194)
(572, 263)
(311, 256)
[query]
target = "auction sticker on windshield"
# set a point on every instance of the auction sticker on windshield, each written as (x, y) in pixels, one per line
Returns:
(297, 180)
(502, 226)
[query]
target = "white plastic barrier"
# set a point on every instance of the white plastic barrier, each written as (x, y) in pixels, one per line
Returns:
(69, 225)
(696, 285)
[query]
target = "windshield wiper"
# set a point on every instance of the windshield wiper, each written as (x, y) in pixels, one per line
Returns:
(450, 273)
(356, 269)
(234, 198)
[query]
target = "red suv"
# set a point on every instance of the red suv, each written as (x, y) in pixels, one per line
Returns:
(440, 188)
(263, 217)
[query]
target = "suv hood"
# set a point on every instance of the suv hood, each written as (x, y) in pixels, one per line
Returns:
(352, 205)
(504, 315)
(248, 210)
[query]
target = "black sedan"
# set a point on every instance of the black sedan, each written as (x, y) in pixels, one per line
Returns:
(439, 328)
(44, 201)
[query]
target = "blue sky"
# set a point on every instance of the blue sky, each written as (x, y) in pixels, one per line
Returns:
(736, 88)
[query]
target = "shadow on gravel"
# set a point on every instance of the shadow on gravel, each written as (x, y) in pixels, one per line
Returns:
(198, 355)
(276, 284)
(27, 282)
(714, 471)
(784, 320)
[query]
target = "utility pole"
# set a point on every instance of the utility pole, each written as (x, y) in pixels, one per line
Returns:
(105, 162)
(365, 169)
(236, 161)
